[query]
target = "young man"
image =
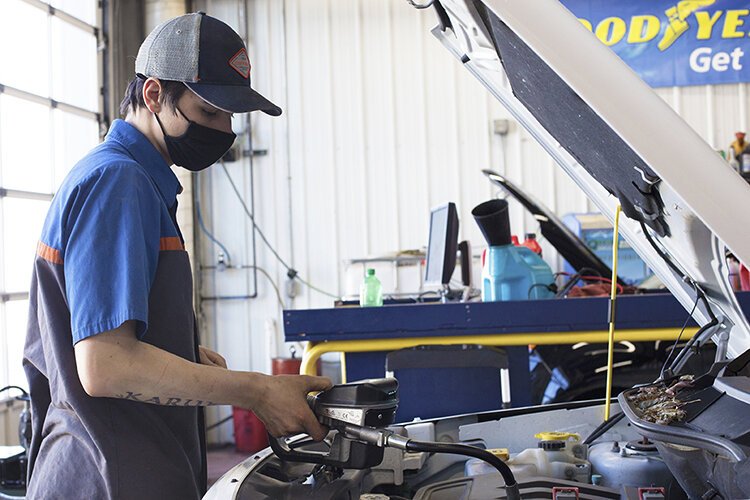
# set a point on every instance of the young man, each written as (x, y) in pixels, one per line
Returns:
(117, 377)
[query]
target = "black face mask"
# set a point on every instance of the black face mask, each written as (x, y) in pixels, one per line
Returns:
(199, 147)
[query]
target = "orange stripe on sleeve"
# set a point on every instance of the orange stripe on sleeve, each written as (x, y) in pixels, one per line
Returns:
(171, 243)
(48, 253)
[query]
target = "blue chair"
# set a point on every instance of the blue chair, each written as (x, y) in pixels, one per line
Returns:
(438, 381)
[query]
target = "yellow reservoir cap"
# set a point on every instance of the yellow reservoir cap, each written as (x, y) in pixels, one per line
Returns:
(557, 436)
(501, 453)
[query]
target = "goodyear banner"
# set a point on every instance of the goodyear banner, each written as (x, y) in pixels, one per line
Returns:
(674, 43)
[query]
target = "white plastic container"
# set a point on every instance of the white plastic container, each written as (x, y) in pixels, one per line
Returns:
(551, 459)
(557, 463)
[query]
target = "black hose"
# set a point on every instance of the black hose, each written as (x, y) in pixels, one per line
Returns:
(603, 427)
(701, 296)
(568, 286)
(686, 350)
(697, 337)
(707, 305)
(511, 485)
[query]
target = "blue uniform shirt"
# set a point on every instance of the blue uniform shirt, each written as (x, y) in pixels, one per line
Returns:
(108, 221)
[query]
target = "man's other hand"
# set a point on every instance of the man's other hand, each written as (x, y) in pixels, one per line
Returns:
(211, 358)
(283, 408)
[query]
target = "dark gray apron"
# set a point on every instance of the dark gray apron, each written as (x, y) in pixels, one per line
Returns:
(91, 448)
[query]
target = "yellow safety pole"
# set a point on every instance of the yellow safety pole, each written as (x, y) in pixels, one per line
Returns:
(611, 349)
(314, 350)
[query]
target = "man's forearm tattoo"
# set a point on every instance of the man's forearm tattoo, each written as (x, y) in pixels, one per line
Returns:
(164, 401)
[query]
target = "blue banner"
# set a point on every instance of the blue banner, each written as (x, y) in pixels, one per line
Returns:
(674, 43)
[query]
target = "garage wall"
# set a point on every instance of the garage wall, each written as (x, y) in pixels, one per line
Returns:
(380, 124)
(383, 125)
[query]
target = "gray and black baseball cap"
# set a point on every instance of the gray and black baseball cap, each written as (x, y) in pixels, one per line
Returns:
(208, 56)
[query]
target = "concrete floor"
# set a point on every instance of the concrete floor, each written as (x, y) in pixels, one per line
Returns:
(220, 460)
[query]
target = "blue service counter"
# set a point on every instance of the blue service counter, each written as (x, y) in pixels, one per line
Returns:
(535, 318)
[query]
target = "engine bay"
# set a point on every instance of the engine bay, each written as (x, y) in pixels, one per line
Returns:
(581, 456)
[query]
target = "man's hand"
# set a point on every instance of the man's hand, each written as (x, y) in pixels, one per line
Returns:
(211, 358)
(282, 406)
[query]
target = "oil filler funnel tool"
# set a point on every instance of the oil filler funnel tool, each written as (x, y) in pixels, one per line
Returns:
(494, 222)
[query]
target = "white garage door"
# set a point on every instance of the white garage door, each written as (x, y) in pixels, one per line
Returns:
(49, 117)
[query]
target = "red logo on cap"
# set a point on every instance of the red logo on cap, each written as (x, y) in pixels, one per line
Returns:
(240, 63)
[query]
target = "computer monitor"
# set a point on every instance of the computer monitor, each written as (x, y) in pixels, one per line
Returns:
(443, 245)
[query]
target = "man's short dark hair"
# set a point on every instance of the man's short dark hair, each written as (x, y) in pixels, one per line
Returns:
(133, 100)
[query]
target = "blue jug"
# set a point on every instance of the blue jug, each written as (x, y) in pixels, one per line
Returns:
(509, 272)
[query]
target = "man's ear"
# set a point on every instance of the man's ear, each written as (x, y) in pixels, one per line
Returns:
(151, 94)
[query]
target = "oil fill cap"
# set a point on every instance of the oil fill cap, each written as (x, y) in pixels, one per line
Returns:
(555, 440)
(551, 445)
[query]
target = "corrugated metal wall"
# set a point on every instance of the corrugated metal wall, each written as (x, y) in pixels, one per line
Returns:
(380, 124)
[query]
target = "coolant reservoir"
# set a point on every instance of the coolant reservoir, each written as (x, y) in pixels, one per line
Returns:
(636, 464)
(552, 458)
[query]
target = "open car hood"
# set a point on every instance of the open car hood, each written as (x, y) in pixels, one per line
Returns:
(619, 141)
